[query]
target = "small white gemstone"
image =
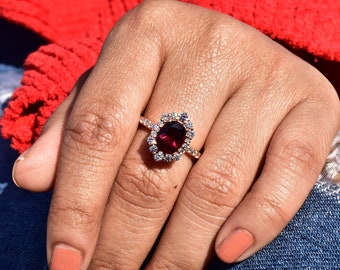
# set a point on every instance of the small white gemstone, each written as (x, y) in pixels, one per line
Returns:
(168, 158)
(155, 128)
(187, 141)
(160, 124)
(151, 140)
(158, 156)
(191, 134)
(188, 125)
(185, 147)
(165, 117)
(153, 134)
(181, 151)
(173, 116)
(176, 156)
(153, 148)
(183, 117)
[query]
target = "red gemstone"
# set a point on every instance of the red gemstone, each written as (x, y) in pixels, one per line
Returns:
(170, 137)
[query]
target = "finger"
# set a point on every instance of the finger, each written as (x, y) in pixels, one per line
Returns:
(34, 169)
(293, 161)
(101, 125)
(144, 192)
(219, 180)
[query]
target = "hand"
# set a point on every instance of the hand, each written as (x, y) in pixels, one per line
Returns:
(265, 117)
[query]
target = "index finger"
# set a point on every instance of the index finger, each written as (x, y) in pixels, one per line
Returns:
(100, 128)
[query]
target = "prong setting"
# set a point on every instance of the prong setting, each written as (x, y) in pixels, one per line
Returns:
(170, 137)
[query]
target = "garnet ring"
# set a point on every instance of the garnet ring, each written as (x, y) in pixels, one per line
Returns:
(170, 138)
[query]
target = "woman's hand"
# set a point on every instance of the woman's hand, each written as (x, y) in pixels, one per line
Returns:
(266, 120)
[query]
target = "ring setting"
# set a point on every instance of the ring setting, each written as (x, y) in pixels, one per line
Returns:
(170, 137)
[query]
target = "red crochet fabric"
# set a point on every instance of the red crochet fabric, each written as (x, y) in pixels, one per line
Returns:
(76, 30)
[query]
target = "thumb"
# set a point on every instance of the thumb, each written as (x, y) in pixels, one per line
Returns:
(34, 169)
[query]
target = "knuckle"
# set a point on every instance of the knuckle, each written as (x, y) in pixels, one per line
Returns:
(98, 263)
(145, 25)
(143, 187)
(154, 8)
(315, 80)
(74, 214)
(219, 32)
(162, 262)
(212, 45)
(149, 15)
(272, 210)
(327, 99)
(228, 33)
(105, 259)
(95, 128)
(217, 186)
(297, 156)
(216, 39)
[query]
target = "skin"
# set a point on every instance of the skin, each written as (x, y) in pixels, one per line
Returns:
(266, 120)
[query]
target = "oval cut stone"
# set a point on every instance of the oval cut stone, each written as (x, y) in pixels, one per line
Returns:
(171, 137)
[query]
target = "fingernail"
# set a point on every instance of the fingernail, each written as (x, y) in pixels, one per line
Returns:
(19, 159)
(65, 259)
(235, 245)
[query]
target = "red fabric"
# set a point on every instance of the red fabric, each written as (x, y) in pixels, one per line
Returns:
(76, 30)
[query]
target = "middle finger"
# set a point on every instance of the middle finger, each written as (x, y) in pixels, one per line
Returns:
(144, 192)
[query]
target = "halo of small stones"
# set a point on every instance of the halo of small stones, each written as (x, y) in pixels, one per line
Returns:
(166, 118)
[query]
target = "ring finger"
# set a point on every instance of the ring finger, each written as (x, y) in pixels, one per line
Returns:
(144, 192)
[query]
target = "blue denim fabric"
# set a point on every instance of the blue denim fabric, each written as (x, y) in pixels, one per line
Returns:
(310, 241)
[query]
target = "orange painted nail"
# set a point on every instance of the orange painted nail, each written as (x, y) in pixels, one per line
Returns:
(65, 259)
(235, 245)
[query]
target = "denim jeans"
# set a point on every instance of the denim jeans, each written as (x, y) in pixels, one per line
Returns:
(310, 241)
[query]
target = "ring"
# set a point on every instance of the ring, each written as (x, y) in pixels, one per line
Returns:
(170, 138)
